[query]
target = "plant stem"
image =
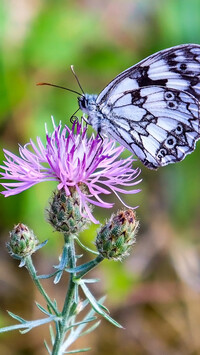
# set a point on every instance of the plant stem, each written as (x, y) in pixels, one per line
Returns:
(33, 274)
(69, 299)
(89, 266)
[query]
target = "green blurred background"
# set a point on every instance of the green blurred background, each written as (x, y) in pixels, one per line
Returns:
(154, 294)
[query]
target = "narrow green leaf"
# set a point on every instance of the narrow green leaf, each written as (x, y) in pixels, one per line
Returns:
(87, 320)
(90, 281)
(41, 245)
(96, 306)
(84, 247)
(21, 320)
(22, 262)
(84, 304)
(58, 277)
(52, 336)
(83, 267)
(103, 307)
(79, 256)
(77, 351)
(42, 309)
(89, 330)
(12, 327)
(47, 347)
(48, 276)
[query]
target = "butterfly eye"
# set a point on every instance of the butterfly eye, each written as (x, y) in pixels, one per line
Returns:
(170, 142)
(179, 129)
(83, 104)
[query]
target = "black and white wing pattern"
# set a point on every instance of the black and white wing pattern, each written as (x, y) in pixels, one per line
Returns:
(176, 67)
(152, 108)
(157, 124)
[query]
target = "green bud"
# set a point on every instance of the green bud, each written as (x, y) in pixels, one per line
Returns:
(22, 242)
(64, 212)
(116, 237)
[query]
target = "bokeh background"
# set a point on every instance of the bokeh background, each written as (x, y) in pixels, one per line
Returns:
(154, 294)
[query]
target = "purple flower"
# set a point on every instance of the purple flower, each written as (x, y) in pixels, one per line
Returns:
(72, 159)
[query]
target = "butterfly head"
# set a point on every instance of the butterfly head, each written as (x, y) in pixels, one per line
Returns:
(87, 103)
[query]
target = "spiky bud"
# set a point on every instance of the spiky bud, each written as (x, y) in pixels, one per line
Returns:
(64, 212)
(22, 242)
(116, 237)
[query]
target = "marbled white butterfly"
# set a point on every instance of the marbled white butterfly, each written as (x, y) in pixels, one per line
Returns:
(152, 108)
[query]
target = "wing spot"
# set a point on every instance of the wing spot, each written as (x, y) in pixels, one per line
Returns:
(161, 153)
(168, 95)
(179, 129)
(172, 105)
(170, 142)
(182, 66)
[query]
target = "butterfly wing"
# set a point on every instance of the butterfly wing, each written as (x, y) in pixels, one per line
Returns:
(176, 67)
(157, 124)
(152, 108)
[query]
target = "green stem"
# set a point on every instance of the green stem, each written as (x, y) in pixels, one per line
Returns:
(33, 274)
(69, 243)
(89, 266)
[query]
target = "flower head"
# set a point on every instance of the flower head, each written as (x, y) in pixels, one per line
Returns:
(22, 242)
(64, 212)
(115, 239)
(72, 159)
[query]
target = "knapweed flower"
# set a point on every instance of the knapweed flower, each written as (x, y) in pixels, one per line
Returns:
(73, 160)
(64, 212)
(22, 242)
(115, 239)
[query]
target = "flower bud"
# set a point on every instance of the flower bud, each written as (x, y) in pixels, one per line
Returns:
(64, 212)
(22, 242)
(116, 237)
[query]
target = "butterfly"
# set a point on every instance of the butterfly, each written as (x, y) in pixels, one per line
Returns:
(152, 108)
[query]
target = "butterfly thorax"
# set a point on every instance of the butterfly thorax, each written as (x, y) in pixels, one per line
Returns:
(88, 105)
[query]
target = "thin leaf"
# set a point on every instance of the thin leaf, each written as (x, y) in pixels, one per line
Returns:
(12, 327)
(103, 307)
(58, 277)
(38, 322)
(73, 336)
(76, 294)
(90, 281)
(79, 256)
(48, 276)
(96, 306)
(84, 304)
(52, 336)
(15, 316)
(89, 330)
(22, 262)
(84, 247)
(47, 347)
(42, 309)
(63, 260)
(41, 245)
(62, 265)
(87, 320)
(77, 351)
(28, 325)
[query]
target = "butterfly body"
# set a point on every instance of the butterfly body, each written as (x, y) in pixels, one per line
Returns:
(152, 108)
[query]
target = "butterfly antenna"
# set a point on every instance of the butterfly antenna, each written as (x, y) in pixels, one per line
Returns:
(79, 84)
(74, 117)
(60, 87)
